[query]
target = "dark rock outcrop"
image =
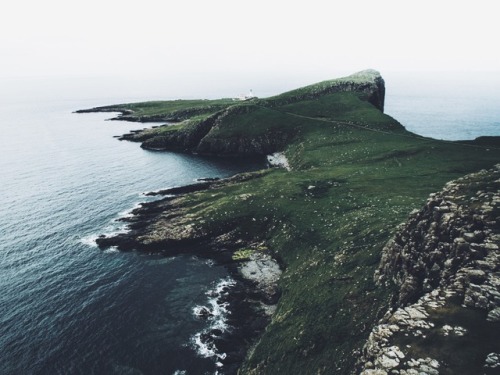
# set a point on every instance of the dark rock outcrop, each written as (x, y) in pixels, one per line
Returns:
(263, 144)
(445, 266)
(186, 139)
(454, 238)
(204, 137)
(164, 226)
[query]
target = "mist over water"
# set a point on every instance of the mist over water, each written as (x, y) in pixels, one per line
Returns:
(67, 307)
(448, 106)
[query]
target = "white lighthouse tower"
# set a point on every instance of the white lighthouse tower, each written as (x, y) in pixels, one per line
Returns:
(250, 95)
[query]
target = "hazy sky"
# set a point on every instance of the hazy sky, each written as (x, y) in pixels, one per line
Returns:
(190, 37)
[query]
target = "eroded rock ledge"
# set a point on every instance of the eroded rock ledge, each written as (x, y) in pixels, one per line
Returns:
(445, 265)
(166, 226)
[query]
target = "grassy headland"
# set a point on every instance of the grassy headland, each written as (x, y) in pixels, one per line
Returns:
(356, 173)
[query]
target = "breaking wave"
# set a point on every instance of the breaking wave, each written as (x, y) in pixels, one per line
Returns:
(215, 312)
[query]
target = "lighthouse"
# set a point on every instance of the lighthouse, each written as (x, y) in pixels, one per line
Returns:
(250, 95)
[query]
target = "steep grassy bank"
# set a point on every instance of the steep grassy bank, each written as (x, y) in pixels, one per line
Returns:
(355, 174)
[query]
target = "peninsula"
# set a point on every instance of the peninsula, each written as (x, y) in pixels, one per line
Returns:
(347, 176)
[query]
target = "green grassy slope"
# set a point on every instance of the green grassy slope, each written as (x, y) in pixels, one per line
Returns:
(356, 174)
(167, 110)
(175, 106)
(328, 219)
(257, 126)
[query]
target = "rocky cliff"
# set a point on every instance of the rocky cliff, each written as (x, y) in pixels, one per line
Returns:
(445, 264)
(367, 82)
(215, 135)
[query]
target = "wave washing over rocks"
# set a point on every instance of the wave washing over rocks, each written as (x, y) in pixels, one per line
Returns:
(216, 314)
(117, 226)
(445, 266)
(238, 310)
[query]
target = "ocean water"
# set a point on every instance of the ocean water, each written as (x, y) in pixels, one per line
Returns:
(67, 307)
(447, 106)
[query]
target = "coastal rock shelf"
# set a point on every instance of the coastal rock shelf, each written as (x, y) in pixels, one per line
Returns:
(165, 226)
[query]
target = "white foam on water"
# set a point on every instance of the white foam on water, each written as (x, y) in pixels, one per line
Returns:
(159, 196)
(89, 240)
(109, 231)
(112, 229)
(215, 312)
(111, 250)
(127, 213)
(204, 349)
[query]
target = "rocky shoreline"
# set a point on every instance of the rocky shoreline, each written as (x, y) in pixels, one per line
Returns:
(250, 301)
(158, 226)
(247, 317)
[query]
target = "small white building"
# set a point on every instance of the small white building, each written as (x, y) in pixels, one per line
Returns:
(248, 96)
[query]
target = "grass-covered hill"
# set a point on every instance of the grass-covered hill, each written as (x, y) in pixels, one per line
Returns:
(256, 126)
(355, 174)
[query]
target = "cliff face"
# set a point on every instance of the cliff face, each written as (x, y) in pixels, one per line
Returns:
(367, 82)
(184, 139)
(214, 136)
(445, 264)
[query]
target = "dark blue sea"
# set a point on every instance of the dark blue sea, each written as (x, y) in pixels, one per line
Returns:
(67, 307)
